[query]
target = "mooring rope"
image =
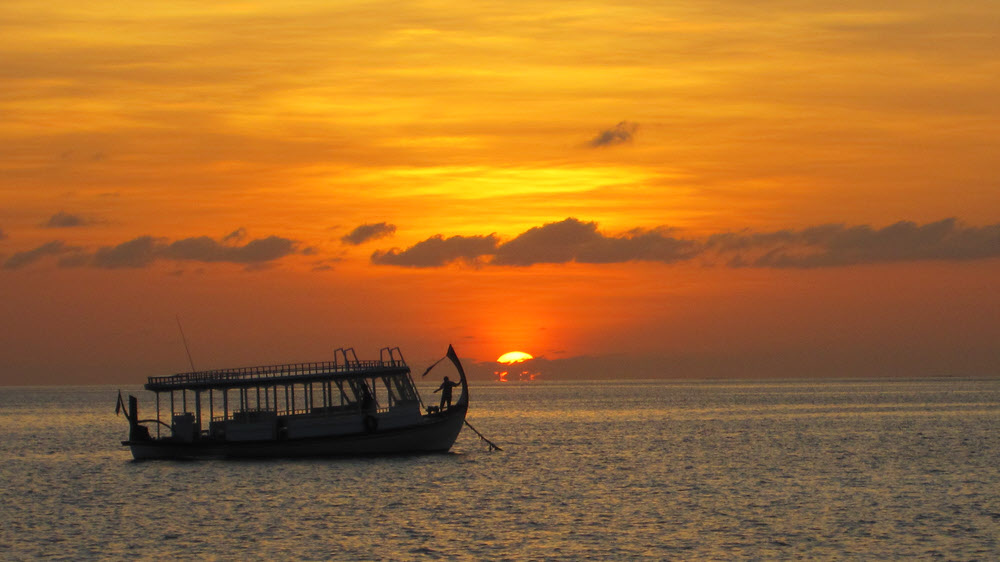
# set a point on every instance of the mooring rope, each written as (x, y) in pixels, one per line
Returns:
(493, 446)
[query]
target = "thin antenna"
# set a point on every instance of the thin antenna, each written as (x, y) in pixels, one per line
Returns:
(184, 339)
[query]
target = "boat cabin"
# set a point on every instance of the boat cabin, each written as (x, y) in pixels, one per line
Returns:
(294, 401)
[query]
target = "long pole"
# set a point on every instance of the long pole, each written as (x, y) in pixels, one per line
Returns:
(184, 339)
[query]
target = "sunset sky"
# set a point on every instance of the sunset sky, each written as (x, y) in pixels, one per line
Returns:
(707, 189)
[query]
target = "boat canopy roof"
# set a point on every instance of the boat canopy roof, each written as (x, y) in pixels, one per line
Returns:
(267, 375)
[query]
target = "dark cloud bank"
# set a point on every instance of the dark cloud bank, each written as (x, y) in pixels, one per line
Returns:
(144, 250)
(572, 240)
(831, 245)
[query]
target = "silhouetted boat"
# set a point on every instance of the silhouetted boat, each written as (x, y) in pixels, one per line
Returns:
(343, 407)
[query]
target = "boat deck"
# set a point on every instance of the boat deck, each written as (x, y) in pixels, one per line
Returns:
(274, 374)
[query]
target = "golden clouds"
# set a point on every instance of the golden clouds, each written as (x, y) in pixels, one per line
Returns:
(746, 113)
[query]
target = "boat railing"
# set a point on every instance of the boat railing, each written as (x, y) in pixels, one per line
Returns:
(241, 374)
(248, 415)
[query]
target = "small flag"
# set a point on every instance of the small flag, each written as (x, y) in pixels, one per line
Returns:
(118, 404)
(454, 359)
(432, 366)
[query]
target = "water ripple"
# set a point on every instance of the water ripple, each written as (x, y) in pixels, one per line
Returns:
(776, 470)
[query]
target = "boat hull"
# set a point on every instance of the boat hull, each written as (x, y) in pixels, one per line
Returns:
(435, 433)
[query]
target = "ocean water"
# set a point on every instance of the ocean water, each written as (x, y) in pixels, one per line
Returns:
(589, 471)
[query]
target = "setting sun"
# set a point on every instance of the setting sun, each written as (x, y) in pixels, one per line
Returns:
(523, 372)
(512, 357)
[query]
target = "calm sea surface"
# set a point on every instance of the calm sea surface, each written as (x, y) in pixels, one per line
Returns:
(650, 469)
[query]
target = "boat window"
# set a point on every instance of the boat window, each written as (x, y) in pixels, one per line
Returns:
(345, 398)
(399, 388)
(388, 388)
(363, 391)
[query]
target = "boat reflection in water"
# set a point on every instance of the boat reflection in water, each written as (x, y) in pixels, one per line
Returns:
(340, 407)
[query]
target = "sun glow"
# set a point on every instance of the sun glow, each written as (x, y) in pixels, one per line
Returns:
(512, 357)
(511, 373)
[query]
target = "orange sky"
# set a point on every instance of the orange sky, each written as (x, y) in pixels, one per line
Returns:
(768, 189)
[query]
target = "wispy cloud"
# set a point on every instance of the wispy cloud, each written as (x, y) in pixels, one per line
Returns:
(235, 236)
(572, 240)
(327, 264)
(621, 133)
(368, 232)
(28, 257)
(65, 220)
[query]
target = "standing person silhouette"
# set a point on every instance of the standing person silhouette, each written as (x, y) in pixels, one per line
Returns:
(445, 390)
(367, 400)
